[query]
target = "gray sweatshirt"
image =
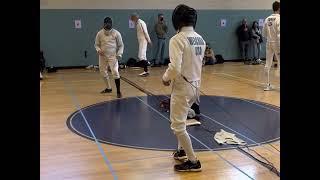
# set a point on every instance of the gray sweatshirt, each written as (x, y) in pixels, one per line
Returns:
(161, 30)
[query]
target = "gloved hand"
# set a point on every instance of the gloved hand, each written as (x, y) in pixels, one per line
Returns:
(100, 52)
(166, 83)
(119, 57)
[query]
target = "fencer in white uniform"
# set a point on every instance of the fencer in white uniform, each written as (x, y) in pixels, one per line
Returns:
(143, 40)
(110, 48)
(271, 31)
(186, 51)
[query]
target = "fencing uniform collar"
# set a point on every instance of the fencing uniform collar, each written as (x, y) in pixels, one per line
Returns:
(187, 28)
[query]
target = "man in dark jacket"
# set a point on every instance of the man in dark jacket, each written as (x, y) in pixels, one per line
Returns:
(243, 33)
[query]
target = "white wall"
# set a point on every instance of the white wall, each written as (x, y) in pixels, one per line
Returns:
(155, 4)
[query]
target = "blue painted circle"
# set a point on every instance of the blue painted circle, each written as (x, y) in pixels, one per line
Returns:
(138, 122)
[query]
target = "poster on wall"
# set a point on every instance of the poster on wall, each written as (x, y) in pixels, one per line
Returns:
(77, 24)
(261, 22)
(223, 22)
(131, 24)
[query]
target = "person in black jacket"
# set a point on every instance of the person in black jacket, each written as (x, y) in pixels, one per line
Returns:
(243, 33)
(42, 61)
(42, 64)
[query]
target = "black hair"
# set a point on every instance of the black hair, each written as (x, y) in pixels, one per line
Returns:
(184, 15)
(276, 6)
(255, 22)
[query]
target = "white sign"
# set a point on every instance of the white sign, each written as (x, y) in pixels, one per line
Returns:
(131, 24)
(77, 24)
(223, 22)
(261, 22)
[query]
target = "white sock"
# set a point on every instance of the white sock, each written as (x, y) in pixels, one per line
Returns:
(268, 77)
(107, 82)
(179, 145)
(186, 144)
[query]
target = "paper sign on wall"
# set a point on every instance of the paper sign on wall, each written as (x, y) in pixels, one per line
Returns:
(131, 24)
(223, 22)
(77, 24)
(261, 22)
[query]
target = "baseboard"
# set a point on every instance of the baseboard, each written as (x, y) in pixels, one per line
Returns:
(71, 67)
(238, 60)
(233, 60)
(80, 67)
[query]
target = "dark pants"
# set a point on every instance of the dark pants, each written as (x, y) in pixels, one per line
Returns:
(42, 65)
(144, 64)
(256, 47)
(244, 47)
(160, 51)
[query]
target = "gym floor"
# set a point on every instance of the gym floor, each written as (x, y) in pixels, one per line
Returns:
(114, 138)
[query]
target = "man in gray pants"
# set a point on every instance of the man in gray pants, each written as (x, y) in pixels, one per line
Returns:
(244, 39)
(161, 30)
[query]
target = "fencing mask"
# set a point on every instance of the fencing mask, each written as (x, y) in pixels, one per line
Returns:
(107, 23)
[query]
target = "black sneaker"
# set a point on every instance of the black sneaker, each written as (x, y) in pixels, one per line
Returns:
(188, 166)
(119, 95)
(197, 117)
(106, 91)
(196, 108)
(179, 155)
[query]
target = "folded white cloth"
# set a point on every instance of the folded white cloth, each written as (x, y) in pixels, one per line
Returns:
(224, 137)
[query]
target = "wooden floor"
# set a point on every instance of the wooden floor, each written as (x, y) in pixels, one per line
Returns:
(65, 155)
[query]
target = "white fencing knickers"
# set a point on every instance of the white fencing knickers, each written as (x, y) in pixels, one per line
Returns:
(272, 48)
(143, 43)
(182, 97)
(103, 67)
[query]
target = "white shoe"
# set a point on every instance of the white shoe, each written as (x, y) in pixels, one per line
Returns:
(89, 67)
(96, 68)
(268, 88)
(144, 74)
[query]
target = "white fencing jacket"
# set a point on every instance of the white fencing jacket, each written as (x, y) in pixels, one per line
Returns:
(142, 31)
(271, 28)
(110, 42)
(186, 51)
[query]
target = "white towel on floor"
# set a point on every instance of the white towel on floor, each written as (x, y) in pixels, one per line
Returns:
(224, 137)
